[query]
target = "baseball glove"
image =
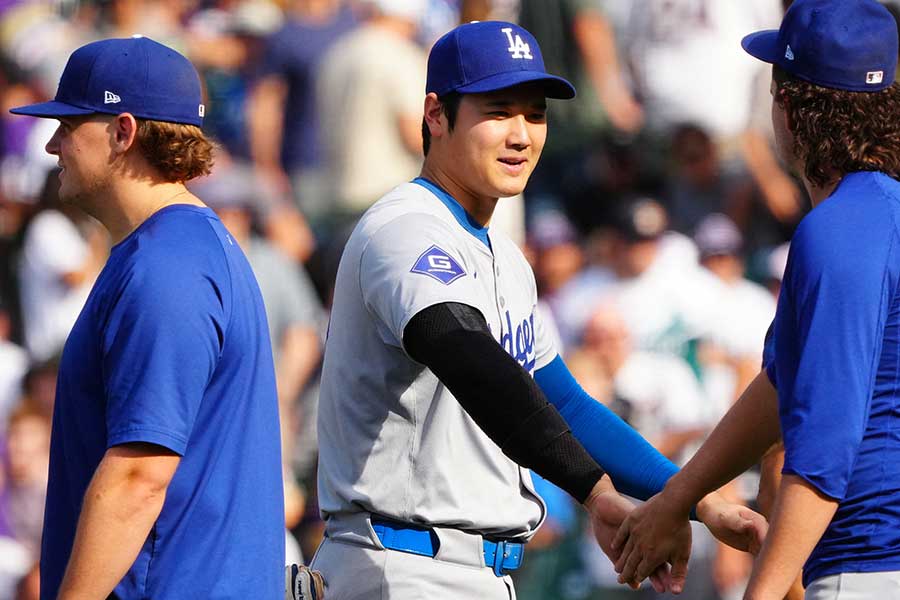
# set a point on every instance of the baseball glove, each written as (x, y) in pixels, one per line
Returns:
(302, 583)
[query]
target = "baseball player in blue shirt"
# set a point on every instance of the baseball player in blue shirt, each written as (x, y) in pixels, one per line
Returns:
(441, 386)
(833, 353)
(165, 466)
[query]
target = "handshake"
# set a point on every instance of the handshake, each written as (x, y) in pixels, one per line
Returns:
(654, 540)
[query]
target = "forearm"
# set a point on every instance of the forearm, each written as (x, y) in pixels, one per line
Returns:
(596, 42)
(737, 443)
(635, 467)
(801, 516)
(266, 121)
(298, 358)
(119, 509)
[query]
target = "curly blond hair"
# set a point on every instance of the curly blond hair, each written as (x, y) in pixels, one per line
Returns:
(179, 152)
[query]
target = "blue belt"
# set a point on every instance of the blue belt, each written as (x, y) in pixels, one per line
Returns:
(502, 556)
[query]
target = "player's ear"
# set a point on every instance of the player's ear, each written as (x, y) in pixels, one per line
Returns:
(435, 119)
(786, 114)
(124, 132)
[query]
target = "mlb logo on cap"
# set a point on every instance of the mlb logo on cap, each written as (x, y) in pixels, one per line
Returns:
(874, 77)
(839, 44)
(485, 56)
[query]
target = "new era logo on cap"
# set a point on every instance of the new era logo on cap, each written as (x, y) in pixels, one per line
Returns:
(789, 54)
(874, 77)
(110, 98)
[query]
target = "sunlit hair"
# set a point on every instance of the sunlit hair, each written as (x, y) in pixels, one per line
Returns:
(179, 152)
(837, 131)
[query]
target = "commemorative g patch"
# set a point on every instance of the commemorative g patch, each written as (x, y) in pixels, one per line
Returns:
(436, 263)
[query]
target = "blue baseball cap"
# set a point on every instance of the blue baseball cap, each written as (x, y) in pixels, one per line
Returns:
(484, 56)
(840, 44)
(130, 75)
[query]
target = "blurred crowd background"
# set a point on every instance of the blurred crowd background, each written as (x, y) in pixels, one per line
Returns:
(657, 221)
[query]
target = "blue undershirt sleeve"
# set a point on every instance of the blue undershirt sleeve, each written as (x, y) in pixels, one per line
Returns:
(635, 467)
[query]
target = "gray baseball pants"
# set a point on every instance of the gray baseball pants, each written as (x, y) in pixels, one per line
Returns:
(856, 586)
(357, 567)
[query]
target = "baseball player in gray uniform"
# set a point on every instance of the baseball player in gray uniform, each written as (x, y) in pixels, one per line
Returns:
(441, 386)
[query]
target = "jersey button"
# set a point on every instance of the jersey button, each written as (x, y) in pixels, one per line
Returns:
(502, 302)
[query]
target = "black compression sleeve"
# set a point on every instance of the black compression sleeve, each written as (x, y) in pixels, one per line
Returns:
(453, 340)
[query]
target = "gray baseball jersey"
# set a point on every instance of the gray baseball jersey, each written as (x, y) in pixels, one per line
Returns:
(393, 440)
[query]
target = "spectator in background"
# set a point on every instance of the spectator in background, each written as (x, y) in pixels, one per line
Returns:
(160, 20)
(579, 44)
(555, 252)
(63, 252)
(13, 366)
(687, 66)
(284, 122)
(730, 353)
(698, 185)
(39, 383)
(226, 41)
(651, 276)
(370, 101)
(15, 558)
(657, 393)
(27, 462)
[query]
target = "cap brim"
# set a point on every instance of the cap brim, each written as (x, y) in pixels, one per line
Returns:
(763, 45)
(51, 110)
(554, 87)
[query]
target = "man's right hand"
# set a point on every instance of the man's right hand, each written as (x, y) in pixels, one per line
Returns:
(608, 510)
(652, 535)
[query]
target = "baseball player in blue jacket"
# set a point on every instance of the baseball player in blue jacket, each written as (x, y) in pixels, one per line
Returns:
(441, 386)
(833, 353)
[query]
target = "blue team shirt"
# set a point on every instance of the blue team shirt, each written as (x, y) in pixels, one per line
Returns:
(172, 348)
(834, 357)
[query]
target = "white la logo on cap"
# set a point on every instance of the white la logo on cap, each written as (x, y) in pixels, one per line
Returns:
(789, 54)
(517, 47)
(110, 98)
(874, 77)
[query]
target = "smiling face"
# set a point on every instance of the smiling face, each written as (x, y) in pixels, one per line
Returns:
(495, 142)
(83, 147)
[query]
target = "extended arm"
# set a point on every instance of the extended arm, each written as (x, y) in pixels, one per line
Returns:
(737, 442)
(454, 341)
(120, 507)
(802, 514)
